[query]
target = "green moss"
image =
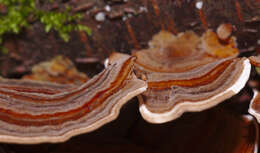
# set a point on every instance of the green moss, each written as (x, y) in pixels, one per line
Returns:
(19, 13)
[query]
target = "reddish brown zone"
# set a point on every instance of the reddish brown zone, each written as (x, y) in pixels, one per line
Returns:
(254, 60)
(238, 9)
(203, 19)
(256, 103)
(203, 80)
(18, 118)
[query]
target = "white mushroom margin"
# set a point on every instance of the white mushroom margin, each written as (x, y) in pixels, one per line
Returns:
(188, 106)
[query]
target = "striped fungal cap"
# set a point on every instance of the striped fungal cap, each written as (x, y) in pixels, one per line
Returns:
(34, 112)
(187, 73)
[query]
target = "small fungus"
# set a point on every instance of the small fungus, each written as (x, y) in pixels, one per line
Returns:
(59, 70)
(187, 73)
(254, 108)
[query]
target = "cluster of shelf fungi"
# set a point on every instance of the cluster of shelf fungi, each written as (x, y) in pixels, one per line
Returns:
(175, 74)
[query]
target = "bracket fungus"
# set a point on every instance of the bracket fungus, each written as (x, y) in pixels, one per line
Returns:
(39, 114)
(254, 107)
(187, 73)
(59, 70)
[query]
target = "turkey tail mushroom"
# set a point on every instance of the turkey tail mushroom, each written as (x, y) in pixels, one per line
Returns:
(45, 116)
(187, 73)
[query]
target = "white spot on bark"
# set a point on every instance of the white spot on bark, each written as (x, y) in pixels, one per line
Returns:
(199, 5)
(107, 8)
(100, 16)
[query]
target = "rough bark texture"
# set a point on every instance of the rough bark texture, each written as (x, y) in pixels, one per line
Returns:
(128, 25)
